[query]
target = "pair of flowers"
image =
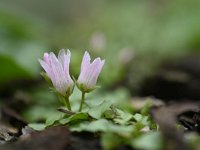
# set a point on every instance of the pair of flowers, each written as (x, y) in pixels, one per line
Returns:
(57, 70)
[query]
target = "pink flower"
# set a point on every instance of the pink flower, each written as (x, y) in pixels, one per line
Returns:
(89, 73)
(57, 69)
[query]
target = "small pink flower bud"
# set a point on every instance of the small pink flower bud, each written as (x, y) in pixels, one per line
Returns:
(89, 73)
(57, 69)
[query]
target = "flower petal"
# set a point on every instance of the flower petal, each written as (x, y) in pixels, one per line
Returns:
(58, 71)
(85, 61)
(66, 64)
(89, 72)
(61, 56)
(95, 70)
(46, 58)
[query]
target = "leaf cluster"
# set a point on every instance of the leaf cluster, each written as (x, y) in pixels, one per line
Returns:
(109, 122)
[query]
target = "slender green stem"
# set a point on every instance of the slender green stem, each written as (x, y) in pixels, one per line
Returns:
(82, 101)
(66, 102)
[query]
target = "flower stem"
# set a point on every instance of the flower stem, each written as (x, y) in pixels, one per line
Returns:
(66, 102)
(82, 101)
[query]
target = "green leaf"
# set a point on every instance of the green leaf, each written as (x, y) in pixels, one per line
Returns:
(94, 126)
(97, 111)
(138, 117)
(147, 141)
(146, 108)
(109, 114)
(37, 126)
(122, 117)
(141, 122)
(103, 125)
(54, 118)
(76, 117)
(110, 141)
(141, 119)
(11, 70)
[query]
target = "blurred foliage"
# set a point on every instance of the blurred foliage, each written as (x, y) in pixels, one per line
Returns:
(19, 49)
(44, 102)
(102, 115)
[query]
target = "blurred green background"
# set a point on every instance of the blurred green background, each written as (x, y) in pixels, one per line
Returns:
(134, 36)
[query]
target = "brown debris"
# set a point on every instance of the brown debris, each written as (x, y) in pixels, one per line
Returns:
(54, 138)
(10, 125)
(166, 117)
